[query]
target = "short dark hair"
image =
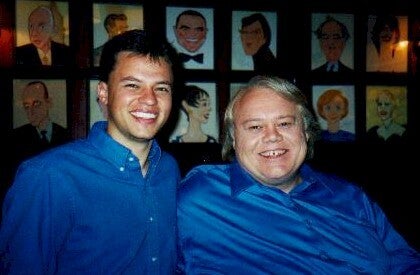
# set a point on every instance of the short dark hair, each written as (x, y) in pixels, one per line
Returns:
(46, 93)
(258, 17)
(344, 31)
(138, 42)
(112, 17)
(192, 13)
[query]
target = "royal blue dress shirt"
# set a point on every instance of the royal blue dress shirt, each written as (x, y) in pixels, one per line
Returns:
(230, 224)
(85, 208)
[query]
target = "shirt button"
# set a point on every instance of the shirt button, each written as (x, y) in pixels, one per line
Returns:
(151, 219)
(122, 169)
(154, 259)
(323, 255)
(130, 159)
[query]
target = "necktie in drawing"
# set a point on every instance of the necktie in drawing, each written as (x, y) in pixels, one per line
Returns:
(332, 67)
(44, 138)
(186, 57)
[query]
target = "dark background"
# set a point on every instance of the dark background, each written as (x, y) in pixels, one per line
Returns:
(386, 172)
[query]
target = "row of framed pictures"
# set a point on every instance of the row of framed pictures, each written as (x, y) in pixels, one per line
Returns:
(390, 41)
(340, 109)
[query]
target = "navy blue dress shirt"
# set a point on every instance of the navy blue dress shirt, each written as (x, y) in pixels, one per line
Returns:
(85, 208)
(230, 224)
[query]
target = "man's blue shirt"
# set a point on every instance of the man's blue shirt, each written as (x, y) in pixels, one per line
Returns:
(85, 208)
(229, 223)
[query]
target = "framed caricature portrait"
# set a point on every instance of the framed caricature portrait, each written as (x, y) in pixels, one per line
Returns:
(332, 42)
(112, 19)
(254, 33)
(36, 23)
(57, 94)
(386, 114)
(334, 108)
(387, 44)
(96, 111)
(198, 120)
(191, 32)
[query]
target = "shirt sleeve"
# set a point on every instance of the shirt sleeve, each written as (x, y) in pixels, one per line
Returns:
(404, 259)
(29, 233)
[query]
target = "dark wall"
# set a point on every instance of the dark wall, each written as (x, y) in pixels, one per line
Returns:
(386, 172)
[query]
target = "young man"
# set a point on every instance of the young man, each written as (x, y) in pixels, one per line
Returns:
(43, 51)
(268, 212)
(105, 204)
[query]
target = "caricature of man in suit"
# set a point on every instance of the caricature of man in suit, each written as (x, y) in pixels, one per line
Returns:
(332, 35)
(42, 50)
(40, 133)
(191, 33)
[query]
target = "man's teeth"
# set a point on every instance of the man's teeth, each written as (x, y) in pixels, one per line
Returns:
(144, 115)
(273, 153)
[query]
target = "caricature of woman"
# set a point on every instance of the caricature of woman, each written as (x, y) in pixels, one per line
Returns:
(386, 53)
(196, 105)
(388, 131)
(333, 106)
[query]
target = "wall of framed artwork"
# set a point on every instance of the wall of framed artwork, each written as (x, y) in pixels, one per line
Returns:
(297, 53)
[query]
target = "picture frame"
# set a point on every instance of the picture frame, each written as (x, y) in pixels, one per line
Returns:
(341, 23)
(57, 89)
(386, 106)
(240, 60)
(193, 28)
(330, 101)
(105, 12)
(27, 52)
(392, 57)
(209, 126)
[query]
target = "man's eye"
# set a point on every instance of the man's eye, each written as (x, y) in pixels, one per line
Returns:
(163, 89)
(254, 127)
(131, 86)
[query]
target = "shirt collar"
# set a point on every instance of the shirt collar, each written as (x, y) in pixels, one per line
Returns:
(242, 180)
(116, 152)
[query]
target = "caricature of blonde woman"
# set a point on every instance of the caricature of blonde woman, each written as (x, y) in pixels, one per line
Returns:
(388, 130)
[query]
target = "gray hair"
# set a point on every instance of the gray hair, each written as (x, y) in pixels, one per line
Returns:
(288, 91)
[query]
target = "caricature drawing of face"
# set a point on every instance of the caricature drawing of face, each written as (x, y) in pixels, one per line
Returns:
(191, 32)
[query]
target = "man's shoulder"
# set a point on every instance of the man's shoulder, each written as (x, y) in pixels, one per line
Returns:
(25, 47)
(343, 68)
(58, 45)
(207, 171)
(321, 68)
(23, 129)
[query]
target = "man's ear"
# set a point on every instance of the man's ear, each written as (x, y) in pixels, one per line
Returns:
(102, 93)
